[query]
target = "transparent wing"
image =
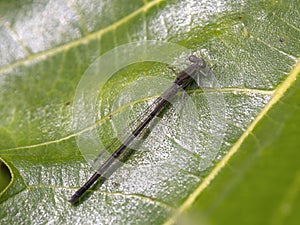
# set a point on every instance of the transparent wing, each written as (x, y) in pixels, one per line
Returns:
(125, 133)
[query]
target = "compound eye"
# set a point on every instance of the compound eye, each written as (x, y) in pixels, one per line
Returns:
(198, 61)
(194, 59)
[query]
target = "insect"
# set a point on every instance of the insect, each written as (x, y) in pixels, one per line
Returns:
(194, 72)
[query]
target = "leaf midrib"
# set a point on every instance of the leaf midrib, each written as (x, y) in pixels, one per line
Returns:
(224, 90)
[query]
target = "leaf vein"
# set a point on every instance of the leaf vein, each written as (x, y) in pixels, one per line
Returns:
(277, 95)
(33, 58)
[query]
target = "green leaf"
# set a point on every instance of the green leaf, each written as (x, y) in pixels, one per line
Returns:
(253, 178)
(260, 184)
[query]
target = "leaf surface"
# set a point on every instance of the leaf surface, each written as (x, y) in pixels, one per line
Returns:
(47, 46)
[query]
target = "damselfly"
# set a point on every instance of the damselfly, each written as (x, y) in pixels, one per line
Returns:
(194, 72)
